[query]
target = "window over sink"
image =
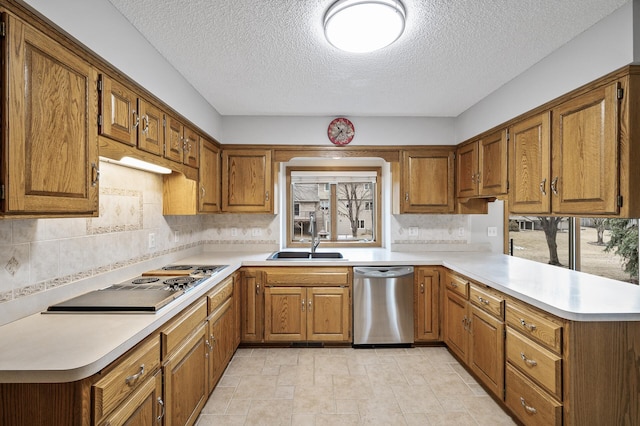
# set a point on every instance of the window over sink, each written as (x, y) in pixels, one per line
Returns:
(344, 200)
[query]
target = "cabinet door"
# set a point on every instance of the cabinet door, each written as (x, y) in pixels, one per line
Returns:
(456, 324)
(427, 302)
(328, 314)
(529, 156)
(220, 339)
(209, 176)
(252, 329)
(50, 145)
(492, 164)
(237, 311)
(144, 407)
(191, 155)
(185, 380)
(427, 181)
(247, 181)
(174, 139)
(285, 314)
(486, 350)
(467, 170)
(150, 128)
(118, 111)
(585, 153)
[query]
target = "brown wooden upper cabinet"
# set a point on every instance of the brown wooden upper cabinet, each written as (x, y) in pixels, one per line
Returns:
(575, 159)
(49, 142)
(482, 167)
(129, 119)
(182, 143)
(423, 182)
(247, 182)
(209, 177)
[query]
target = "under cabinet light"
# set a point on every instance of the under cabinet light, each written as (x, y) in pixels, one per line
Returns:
(138, 164)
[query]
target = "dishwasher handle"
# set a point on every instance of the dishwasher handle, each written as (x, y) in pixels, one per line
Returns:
(383, 271)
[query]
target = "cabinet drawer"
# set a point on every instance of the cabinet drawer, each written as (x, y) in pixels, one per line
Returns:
(457, 284)
(543, 330)
(532, 405)
(304, 277)
(182, 326)
(124, 378)
(145, 404)
(491, 303)
(536, 362)
(221, 293)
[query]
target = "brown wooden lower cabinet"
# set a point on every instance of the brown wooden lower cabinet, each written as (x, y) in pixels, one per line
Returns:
(221, 339)
(144, 407)
(427, 304)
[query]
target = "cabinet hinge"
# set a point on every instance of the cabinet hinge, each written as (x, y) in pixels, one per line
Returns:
(2, 192)
(507, 185)
(620, 92)
(100, 85)
(3, 29)
(100, 120)
(508, 136)
(620, 200)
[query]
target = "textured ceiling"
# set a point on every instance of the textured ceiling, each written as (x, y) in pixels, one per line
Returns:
(270, 57)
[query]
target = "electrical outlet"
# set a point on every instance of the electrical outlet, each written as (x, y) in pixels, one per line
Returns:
(413, 231)
(461, 232)
(256, 232)
(152, 240)
(492, 231)
(176, 236)
(234, 232)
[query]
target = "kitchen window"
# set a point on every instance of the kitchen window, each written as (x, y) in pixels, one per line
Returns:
(598, 246)
(345, 201)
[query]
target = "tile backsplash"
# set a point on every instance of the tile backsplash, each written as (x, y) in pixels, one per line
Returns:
(40, 254)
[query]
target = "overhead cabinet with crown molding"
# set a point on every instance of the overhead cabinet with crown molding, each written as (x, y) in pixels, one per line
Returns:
(49, 136)
(481, 166)
(576, 157)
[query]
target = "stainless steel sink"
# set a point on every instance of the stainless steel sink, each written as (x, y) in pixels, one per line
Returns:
(305, 255)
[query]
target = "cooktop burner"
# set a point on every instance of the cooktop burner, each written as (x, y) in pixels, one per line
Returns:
(178, 267)
(145, 280)
(181, 283)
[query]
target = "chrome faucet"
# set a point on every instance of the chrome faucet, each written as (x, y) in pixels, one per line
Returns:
(313, 228)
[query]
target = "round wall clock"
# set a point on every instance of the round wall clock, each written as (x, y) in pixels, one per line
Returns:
(340, 131)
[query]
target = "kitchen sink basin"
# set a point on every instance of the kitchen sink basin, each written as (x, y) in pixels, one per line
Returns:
(304, 255)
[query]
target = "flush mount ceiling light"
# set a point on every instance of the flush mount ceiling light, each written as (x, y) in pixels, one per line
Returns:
(361, 26)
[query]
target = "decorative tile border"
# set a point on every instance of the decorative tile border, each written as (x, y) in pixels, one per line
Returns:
(127, 203)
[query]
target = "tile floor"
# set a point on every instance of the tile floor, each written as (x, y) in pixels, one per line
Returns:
(344, 386)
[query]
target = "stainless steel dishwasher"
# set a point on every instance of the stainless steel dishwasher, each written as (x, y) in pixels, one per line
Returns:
(383, 306)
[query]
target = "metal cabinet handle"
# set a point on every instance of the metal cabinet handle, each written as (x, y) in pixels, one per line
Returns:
(454, 285)
(136, 376)
(96, 174)
(136, 117)
(209, 348)
(422, 288)
(478, 177)
(543, 186)
(406, 196)
(530, 409)
(309, 305)
(267, 195)
(161, 404)
(203, 191)
(145, 124)
(303, 305)
(257, 288)
(483, 300)
(554, 185)
(530, 327)
(528, 361)
(213, 339)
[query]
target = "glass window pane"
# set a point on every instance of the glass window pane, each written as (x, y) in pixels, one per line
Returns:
(609, 248)
(355, 222)
(541, 238)
(311, 197)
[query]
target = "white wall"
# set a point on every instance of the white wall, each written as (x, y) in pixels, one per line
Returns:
(278, 130)
(99, 25)
(605, 47)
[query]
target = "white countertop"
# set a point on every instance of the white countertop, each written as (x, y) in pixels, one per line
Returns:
(69, 347)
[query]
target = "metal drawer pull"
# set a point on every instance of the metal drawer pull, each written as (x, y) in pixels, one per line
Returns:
(161, 403)
(206, 342)
(454, 285)
(531, 327)
(528, 408)
(554, 185)
(309, 305)
(136, 376)
(257, 288)
(543, 186)
(485, 301)
(422, 288)
(303, 304)
(528, 361)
